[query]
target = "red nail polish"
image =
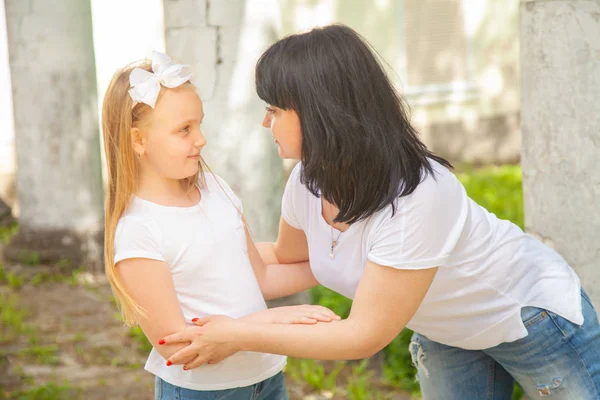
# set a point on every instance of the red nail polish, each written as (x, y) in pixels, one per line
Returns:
(161, 341)
(184, 368)
(195, 319)
(169, 363)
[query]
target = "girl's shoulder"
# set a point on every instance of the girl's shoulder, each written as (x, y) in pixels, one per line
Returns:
(214, 184)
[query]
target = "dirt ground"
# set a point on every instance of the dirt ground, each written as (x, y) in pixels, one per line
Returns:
(61, 338)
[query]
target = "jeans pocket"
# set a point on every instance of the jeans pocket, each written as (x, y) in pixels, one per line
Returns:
(532, 315)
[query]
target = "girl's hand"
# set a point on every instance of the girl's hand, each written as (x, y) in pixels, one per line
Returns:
(210, 341)
(303, 314)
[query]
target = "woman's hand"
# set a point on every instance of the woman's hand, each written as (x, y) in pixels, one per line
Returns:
(211, 342)
(211, 339)
(302, 314)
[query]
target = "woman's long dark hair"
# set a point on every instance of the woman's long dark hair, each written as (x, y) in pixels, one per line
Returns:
(359, 150)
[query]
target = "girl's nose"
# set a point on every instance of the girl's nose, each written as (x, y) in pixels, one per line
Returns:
(200, 140)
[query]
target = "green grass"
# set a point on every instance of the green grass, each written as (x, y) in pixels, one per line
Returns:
(498, 189)
(143, 345)
(6, 232)
(313, 373)
(49, 391)
(12, 319)
(44, 355)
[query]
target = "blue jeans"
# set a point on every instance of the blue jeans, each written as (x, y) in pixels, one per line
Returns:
(269, 389)
(557, 358)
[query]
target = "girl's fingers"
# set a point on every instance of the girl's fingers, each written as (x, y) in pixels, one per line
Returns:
(306, 320)
(328, 312)
(321, 317)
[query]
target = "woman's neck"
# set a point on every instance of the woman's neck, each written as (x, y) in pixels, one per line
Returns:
(329, 212)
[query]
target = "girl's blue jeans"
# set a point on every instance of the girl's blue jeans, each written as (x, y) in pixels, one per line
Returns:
(269, 389)
(558, 359)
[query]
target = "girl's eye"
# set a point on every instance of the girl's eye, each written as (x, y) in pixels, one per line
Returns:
(269, 110)
(185, 129)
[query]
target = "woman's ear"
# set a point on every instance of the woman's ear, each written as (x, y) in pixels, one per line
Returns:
(137, 141)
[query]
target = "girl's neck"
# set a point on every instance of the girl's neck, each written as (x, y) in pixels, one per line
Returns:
(166, 192)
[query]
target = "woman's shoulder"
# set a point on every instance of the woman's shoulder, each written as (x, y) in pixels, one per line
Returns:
(438, 185)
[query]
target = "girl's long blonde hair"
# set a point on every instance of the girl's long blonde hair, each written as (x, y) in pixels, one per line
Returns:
(119, 116)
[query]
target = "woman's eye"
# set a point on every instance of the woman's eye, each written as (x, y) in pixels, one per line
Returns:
(185, 129)
(269, 110)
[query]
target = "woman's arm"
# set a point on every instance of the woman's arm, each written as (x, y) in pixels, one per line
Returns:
(385, 301)
(290, 247)
(276, 280)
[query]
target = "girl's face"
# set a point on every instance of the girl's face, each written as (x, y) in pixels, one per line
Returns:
(285, 127)
(171, 144)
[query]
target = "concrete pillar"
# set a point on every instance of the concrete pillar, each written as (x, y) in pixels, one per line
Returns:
(59, 184)
(7, 136)
(560, 122)
(222, 40)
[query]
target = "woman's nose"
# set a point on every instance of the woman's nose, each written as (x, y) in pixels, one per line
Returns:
(266, 121)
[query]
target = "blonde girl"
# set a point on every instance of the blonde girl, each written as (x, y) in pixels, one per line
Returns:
(176, 243)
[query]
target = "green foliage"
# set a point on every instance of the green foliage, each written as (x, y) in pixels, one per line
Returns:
(398, 369)
(138, 336)
(12, 319)
(498, 189)
(6, 232)
(313, 373)
(358, 386)
(45, 355)
(49, 391)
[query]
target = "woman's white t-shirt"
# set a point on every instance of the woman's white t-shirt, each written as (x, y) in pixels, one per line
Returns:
(205, 248)
(488, 268)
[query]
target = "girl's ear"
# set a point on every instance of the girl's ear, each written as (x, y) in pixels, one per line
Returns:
(137, 141)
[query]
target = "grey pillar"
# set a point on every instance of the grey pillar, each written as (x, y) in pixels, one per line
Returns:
(59, 182)
(560, 121)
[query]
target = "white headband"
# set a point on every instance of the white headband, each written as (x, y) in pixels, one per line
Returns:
(145, 85)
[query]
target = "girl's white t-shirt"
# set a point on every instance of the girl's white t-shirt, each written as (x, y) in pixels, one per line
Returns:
(488, 268)
(205, 248)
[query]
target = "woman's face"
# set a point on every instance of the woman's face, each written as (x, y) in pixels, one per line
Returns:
(285, 127)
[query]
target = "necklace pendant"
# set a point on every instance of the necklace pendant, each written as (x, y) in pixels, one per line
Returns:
(331, 254)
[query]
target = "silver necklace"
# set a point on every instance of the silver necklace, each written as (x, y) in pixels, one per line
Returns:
(333, 242)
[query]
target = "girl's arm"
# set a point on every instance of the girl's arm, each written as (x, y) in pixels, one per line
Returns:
(276, 280)
(150, 285)
(385, 301)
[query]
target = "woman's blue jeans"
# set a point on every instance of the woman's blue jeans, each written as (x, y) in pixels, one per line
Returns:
(558, 359)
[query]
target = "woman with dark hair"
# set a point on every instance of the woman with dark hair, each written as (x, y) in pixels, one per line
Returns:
(383, 221)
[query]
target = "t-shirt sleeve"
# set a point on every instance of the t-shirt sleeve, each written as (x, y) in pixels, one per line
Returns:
(290, 201)
(230, 193)
(137, 238)
(425, 228)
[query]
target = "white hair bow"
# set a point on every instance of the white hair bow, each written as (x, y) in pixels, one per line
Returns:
(145, 85)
